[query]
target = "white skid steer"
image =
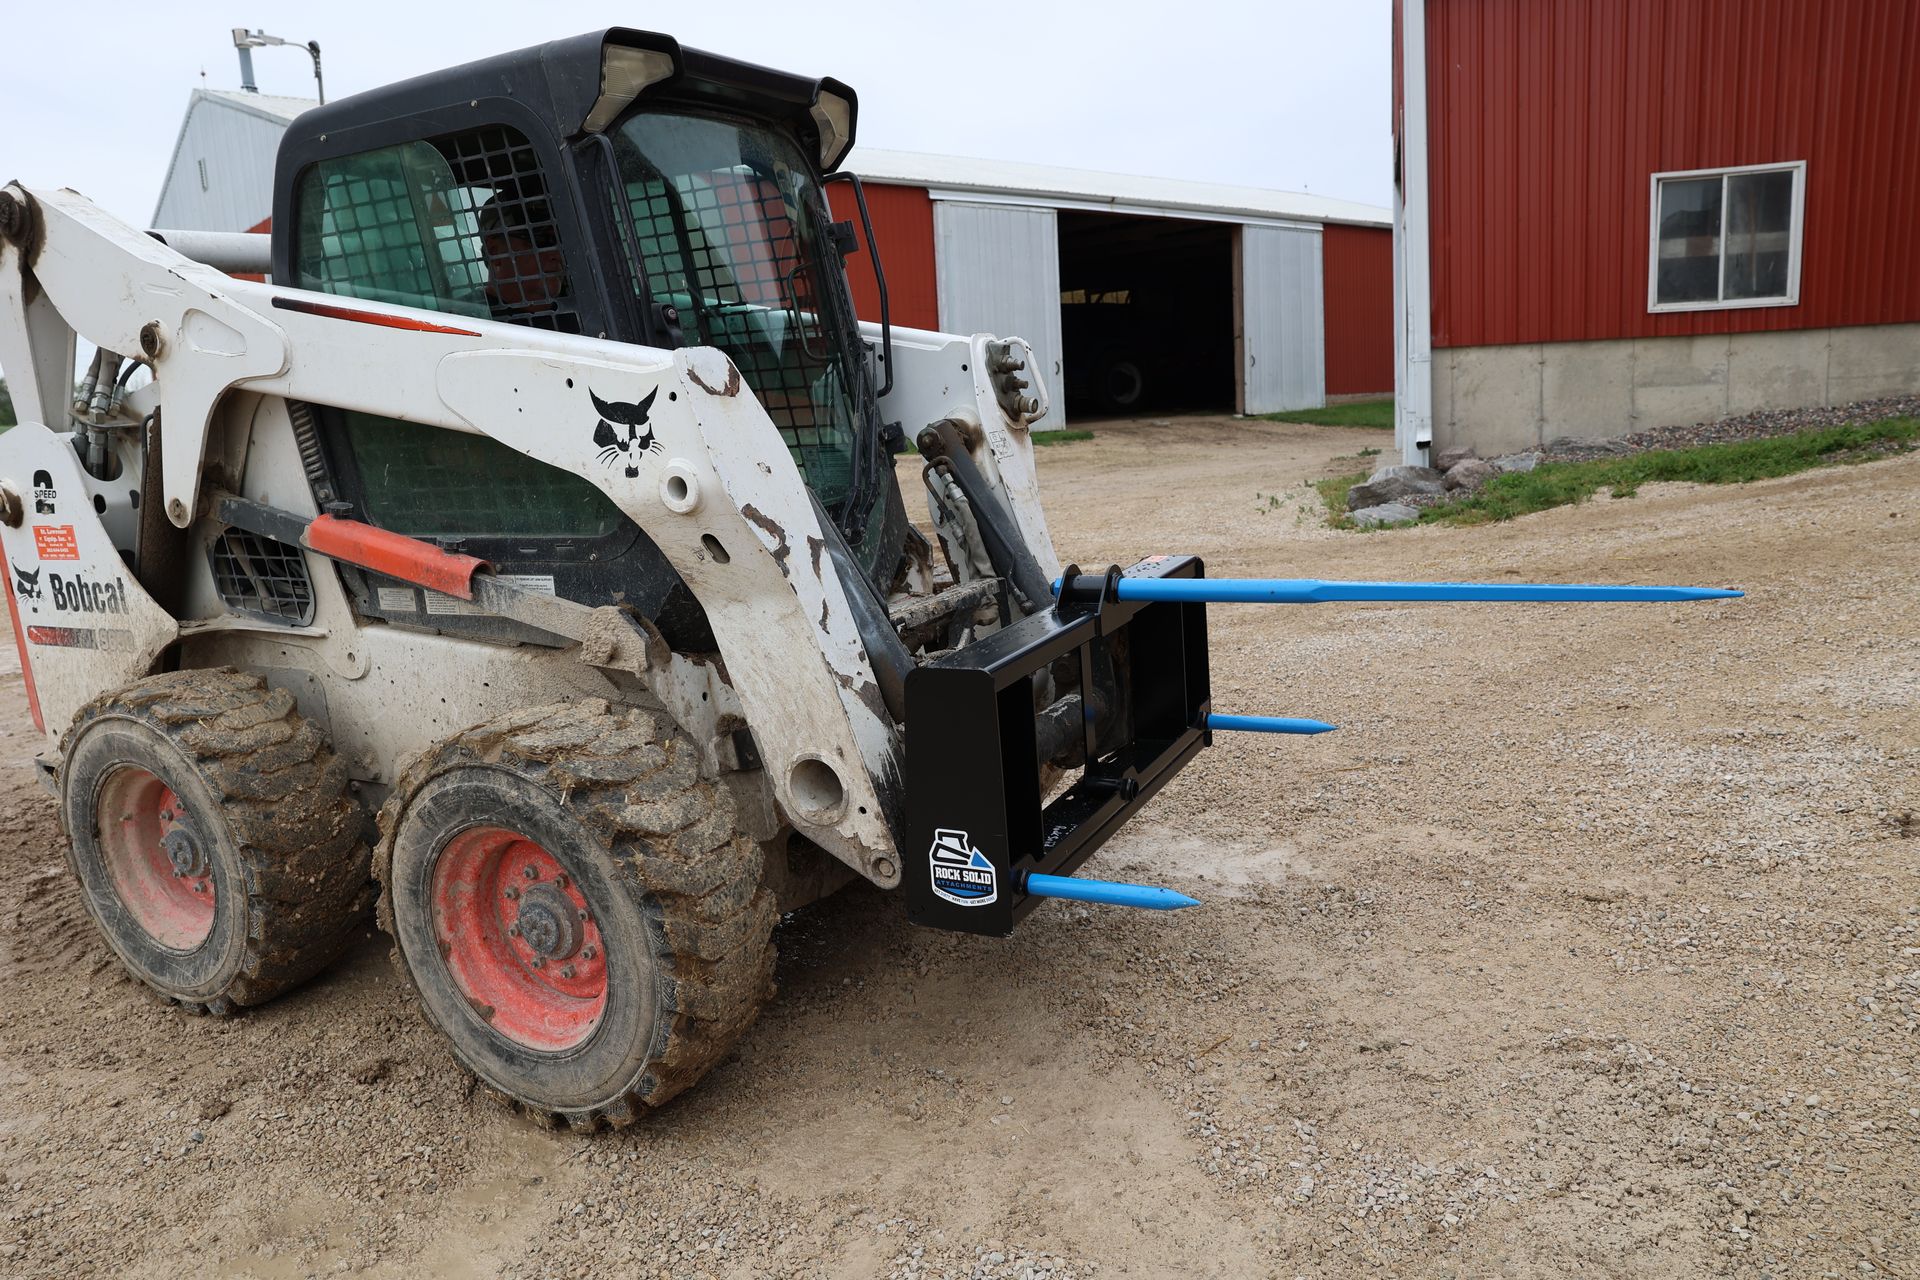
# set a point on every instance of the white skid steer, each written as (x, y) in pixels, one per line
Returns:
(543, 504)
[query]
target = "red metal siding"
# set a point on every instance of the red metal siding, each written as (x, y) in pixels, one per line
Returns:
(1357, 273)
(903, 225)
(1547, 119)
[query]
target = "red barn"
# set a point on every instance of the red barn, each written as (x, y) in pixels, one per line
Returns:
(1618, 214)
(1138, 294)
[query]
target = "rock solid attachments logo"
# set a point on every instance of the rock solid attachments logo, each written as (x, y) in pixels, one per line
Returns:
(961, 873)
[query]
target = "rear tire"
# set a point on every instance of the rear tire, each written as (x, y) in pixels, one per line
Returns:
(575, 909)
(1122, 386)
(211, 829)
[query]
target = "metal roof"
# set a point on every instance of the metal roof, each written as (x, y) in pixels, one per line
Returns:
(273, 106)
(1052, 185)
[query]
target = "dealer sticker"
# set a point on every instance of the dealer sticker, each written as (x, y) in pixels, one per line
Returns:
(962, 874)
(56, 542)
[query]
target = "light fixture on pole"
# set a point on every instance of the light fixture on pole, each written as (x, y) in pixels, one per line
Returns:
(247, 41)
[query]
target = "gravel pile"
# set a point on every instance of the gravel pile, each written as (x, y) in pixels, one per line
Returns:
(1757, 425)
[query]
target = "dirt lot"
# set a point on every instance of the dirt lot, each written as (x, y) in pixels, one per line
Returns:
(1591, 943)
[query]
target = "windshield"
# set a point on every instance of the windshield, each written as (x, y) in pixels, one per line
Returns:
(732, 233)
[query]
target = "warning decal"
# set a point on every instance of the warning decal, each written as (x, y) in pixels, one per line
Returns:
(962, 874)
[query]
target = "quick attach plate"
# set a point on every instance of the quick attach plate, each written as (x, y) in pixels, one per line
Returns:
(976, 826)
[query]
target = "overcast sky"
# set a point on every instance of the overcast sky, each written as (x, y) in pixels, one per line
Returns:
(1291, 94)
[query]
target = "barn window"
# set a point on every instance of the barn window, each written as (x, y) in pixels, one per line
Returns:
(1727, 238)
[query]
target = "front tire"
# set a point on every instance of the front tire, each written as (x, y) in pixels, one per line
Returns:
(575, 909)
(211, 829)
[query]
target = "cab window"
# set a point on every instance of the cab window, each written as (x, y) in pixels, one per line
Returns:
(461, 224)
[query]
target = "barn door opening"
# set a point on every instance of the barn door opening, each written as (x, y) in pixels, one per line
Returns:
(1146, 314)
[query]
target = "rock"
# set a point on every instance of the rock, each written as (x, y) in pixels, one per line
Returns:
(1449, 458)
(1594, 446)
(1518, 461)
(1390, 483)
(1470, 474)
(1385, 513)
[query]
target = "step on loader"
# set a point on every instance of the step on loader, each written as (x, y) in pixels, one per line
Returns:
(510, 544)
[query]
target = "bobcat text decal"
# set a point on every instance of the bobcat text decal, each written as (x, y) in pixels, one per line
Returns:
(70, 594)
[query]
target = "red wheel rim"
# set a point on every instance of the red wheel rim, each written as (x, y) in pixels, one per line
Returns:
(519, 939)
(158, 862)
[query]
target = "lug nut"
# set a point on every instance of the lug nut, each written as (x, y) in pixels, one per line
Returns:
(539, 961)
(566, 971)
(512, 893)
(513, 930)
(200, 886)
(561, 879)
(589, 951)
(580, 913)
(531, 872)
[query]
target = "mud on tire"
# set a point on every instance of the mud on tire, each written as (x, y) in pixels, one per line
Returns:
(212, 832)
(575, 910)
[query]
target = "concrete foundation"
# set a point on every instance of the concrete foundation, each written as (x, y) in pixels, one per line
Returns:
(1502, 399)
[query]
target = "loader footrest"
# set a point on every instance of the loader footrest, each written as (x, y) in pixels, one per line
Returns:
(976, 821)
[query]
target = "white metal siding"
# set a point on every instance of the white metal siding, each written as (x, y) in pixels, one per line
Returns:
(237, 147)
(1283, 319)
(998, 271)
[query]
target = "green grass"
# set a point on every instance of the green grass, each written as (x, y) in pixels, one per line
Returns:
(1556, 484)
(1333, 492)
(1064, 436)
(1377, 414)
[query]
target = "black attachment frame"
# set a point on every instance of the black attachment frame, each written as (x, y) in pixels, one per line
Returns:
(973, 756)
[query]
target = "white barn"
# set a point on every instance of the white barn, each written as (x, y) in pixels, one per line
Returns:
(221, 177)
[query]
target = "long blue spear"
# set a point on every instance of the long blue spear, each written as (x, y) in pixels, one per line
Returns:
(1317, 591)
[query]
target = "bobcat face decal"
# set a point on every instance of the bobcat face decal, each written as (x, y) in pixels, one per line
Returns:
(26, 583)
(624, 448)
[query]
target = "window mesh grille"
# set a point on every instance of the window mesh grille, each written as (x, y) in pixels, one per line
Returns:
(459, 224)
(721, 246)
(262, 577)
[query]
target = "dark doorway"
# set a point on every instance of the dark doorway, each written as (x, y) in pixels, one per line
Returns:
(1146, 314)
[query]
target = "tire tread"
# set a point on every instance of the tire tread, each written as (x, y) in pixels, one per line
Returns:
(632, 779)
(284, 798)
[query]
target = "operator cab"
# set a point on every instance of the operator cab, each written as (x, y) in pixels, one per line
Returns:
(613, 185)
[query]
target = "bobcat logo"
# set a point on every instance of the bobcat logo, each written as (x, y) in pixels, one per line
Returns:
(627, 449)
(26, 582)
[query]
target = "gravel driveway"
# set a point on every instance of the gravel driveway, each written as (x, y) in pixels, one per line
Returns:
(1589, 945)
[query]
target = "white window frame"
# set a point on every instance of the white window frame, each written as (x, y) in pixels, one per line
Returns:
(1795, 233)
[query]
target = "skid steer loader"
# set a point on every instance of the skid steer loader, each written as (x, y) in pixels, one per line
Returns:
(543, 505)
